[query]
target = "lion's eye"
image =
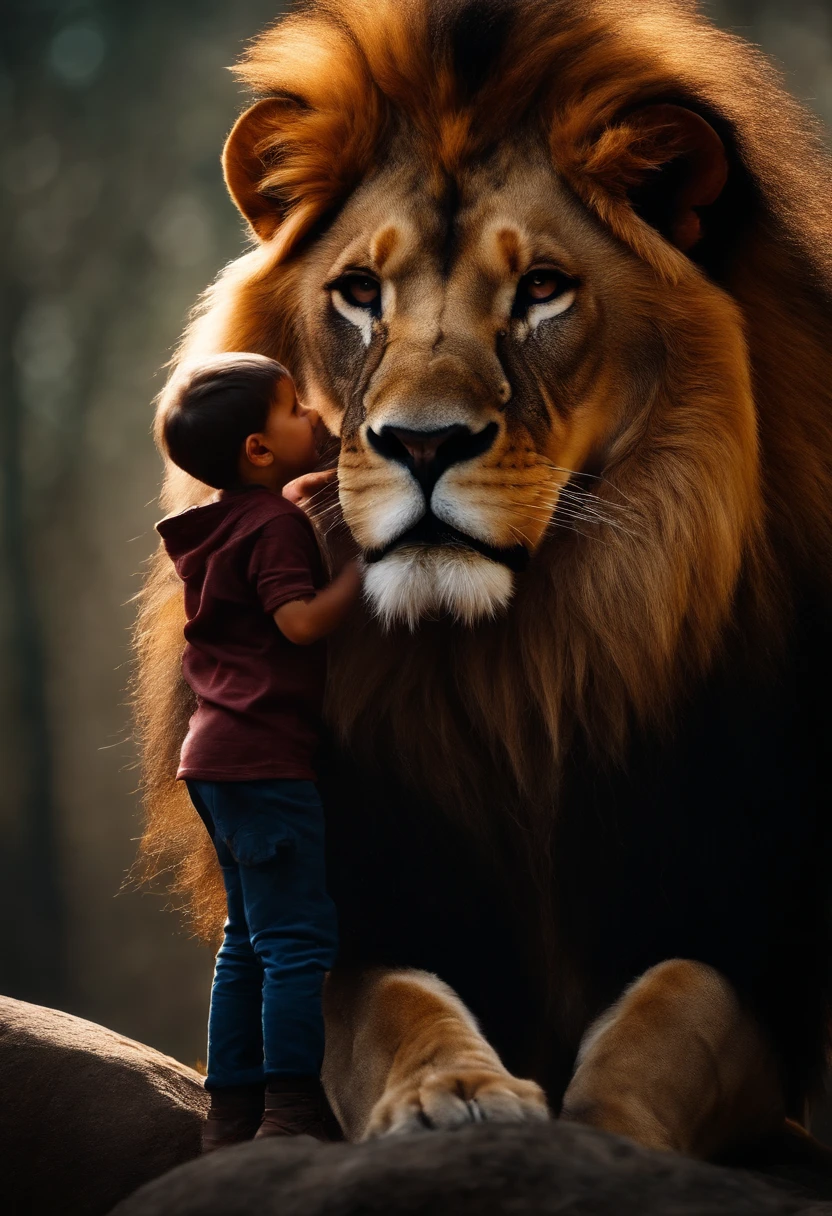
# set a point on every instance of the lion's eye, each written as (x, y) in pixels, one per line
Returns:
(360, 290)
(542, 286)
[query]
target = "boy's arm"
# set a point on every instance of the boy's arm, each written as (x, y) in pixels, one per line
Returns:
(308, 620)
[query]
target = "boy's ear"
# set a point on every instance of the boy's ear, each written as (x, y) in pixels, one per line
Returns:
(256, 451)
(250, 152)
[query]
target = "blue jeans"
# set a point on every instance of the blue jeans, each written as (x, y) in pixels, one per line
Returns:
(280, 935)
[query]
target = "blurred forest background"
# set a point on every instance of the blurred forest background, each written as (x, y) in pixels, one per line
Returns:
(112, 117)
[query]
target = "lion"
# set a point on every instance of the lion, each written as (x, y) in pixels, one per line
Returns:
(557, 275)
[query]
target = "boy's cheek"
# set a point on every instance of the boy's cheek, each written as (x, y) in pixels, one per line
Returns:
(320, 435)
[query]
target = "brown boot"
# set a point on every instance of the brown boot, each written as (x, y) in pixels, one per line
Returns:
(297, 1106)
(234, 1116)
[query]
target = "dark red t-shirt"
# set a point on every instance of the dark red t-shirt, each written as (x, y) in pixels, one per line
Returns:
(259, 696)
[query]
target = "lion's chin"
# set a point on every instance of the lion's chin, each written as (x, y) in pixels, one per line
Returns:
(415, 583)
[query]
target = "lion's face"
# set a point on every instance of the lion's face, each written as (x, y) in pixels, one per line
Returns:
(476, 347)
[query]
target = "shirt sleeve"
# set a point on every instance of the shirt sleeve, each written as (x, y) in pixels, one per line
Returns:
(284, 561)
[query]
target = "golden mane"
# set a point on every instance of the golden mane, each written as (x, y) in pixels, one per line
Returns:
(345, 71)
(342, 76)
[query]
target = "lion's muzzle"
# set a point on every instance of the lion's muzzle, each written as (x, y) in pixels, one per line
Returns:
(427, 455)
(428, 559)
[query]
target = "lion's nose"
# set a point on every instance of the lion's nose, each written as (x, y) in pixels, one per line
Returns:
(424, 446)
(429, 453)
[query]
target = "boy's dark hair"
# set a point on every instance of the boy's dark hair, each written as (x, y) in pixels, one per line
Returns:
(212, 407)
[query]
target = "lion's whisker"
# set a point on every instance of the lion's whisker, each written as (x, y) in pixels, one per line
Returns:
(568, 491)
(593, 501)
(591, 509)
(596, 499)
(324, 511)
(592, 476)
(570, 511)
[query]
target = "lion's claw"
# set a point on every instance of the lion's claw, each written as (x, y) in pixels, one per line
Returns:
(444, 1099)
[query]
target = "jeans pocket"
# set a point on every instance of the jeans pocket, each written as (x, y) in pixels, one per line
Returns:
(254, 845)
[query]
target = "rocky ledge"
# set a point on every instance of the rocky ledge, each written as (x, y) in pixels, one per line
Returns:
(90, 1120)
(480, 1170)
(86, 1115)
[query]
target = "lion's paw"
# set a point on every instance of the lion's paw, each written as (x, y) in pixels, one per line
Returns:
(448, 1098)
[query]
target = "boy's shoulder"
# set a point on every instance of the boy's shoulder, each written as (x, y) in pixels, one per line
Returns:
(246, 510)
(230, 519)
(256, 506)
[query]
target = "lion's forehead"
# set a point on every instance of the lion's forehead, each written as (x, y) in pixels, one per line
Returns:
(445, 347)
(493, 220)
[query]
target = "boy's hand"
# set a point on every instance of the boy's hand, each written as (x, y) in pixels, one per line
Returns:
(304, 487)
(338, 540)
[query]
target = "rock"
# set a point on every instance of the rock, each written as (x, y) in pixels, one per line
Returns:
(86, 1116)
(480, 1170)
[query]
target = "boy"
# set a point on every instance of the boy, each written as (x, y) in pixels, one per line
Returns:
(257, 609)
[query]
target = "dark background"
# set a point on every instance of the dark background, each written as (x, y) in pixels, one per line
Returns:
(114, 217)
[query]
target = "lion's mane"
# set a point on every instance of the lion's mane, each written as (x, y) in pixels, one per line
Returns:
(573, 651)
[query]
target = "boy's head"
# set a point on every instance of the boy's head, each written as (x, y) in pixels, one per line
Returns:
(234, 419)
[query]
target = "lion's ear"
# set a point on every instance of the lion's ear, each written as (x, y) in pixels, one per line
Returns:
(247, 159)
(687, 169)
(664, 162)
